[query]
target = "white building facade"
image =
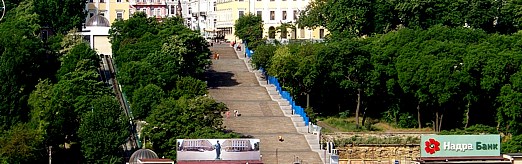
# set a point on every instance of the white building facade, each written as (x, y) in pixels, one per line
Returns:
(159, 8)
(202, 16)
(273, 13)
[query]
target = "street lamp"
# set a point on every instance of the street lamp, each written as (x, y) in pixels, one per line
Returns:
(3, 10)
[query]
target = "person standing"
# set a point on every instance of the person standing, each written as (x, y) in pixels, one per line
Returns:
(218, 150)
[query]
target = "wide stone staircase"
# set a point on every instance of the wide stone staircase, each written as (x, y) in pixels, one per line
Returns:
(264, 114)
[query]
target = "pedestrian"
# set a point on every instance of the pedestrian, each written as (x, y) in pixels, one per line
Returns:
(217, 56)
(218, 150)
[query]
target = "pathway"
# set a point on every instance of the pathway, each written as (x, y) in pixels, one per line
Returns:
(262, 117)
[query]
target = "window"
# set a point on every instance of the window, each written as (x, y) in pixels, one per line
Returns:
(258, 0)
(272, 0)
(91, 14)
(151, 11)
(302, 33)
(91, 1)
(260, 13)
(241, 0)
(241, 14)
(119, 15)
(190, 10)
(102, 13)
(272, 15)
(119, 1)
(158, 12)
(284, 15)
(215, 8)
(172, 9)
(295, 14)
(321, 33)
(102, 1)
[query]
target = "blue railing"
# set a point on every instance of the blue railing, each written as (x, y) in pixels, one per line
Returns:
(286, 95)
(249, 52)
(296, 109)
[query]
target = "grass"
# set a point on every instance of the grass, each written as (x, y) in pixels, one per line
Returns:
(348, 125)
(336, 124)
(355, 140)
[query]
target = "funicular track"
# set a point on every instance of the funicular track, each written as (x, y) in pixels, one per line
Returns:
(108, 72)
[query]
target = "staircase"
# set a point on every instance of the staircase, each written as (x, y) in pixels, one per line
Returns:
(264, 114)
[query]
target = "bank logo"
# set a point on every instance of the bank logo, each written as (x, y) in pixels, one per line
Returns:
(432, 146)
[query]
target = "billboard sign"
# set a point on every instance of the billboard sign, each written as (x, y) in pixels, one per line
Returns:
(460, 145)
(218, 149)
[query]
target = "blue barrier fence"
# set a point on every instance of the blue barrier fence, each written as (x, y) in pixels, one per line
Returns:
(248, 52)
(284, 94)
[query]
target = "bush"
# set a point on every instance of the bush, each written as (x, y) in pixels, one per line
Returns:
(406, 120)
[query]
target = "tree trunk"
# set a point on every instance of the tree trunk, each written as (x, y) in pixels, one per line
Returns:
(307, 100)
(358, 107)
(364, 115)
(467, 114)
(440, 121)
(419, 115)
(436, 121)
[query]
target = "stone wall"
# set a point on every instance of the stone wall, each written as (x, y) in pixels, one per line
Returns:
(377, 147)
(379, 152)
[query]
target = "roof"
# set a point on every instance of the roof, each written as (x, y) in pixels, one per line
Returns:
(98, 20)
(472, 159)
(160, 160)
(141, 155)
(514, 154)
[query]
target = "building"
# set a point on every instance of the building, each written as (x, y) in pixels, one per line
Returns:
(96, 32)
(159, 8)
(110, 9)
(202, 16)
(147, 156)
(273, 13)
(153, 8)
(173, 8)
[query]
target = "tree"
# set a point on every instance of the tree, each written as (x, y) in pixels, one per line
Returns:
(509, 113)
(79, 52)
(351, 69)
(145, 99)
(162, 130)
(23, 62)
(263, 55)
(358, 17)
(150, 52)
(103, 130)
(189, 87)
(249, 28)
(22, 144)
(513, 145)
(283, 29)
(52, 14)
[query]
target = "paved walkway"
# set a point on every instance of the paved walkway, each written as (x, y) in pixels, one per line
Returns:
(262, 116)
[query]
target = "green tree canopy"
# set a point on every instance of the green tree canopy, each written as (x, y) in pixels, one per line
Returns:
(163, 130)
(103, 131)
(249, 28)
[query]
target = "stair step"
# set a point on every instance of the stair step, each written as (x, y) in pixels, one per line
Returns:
(267, 120)
(283, 103)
